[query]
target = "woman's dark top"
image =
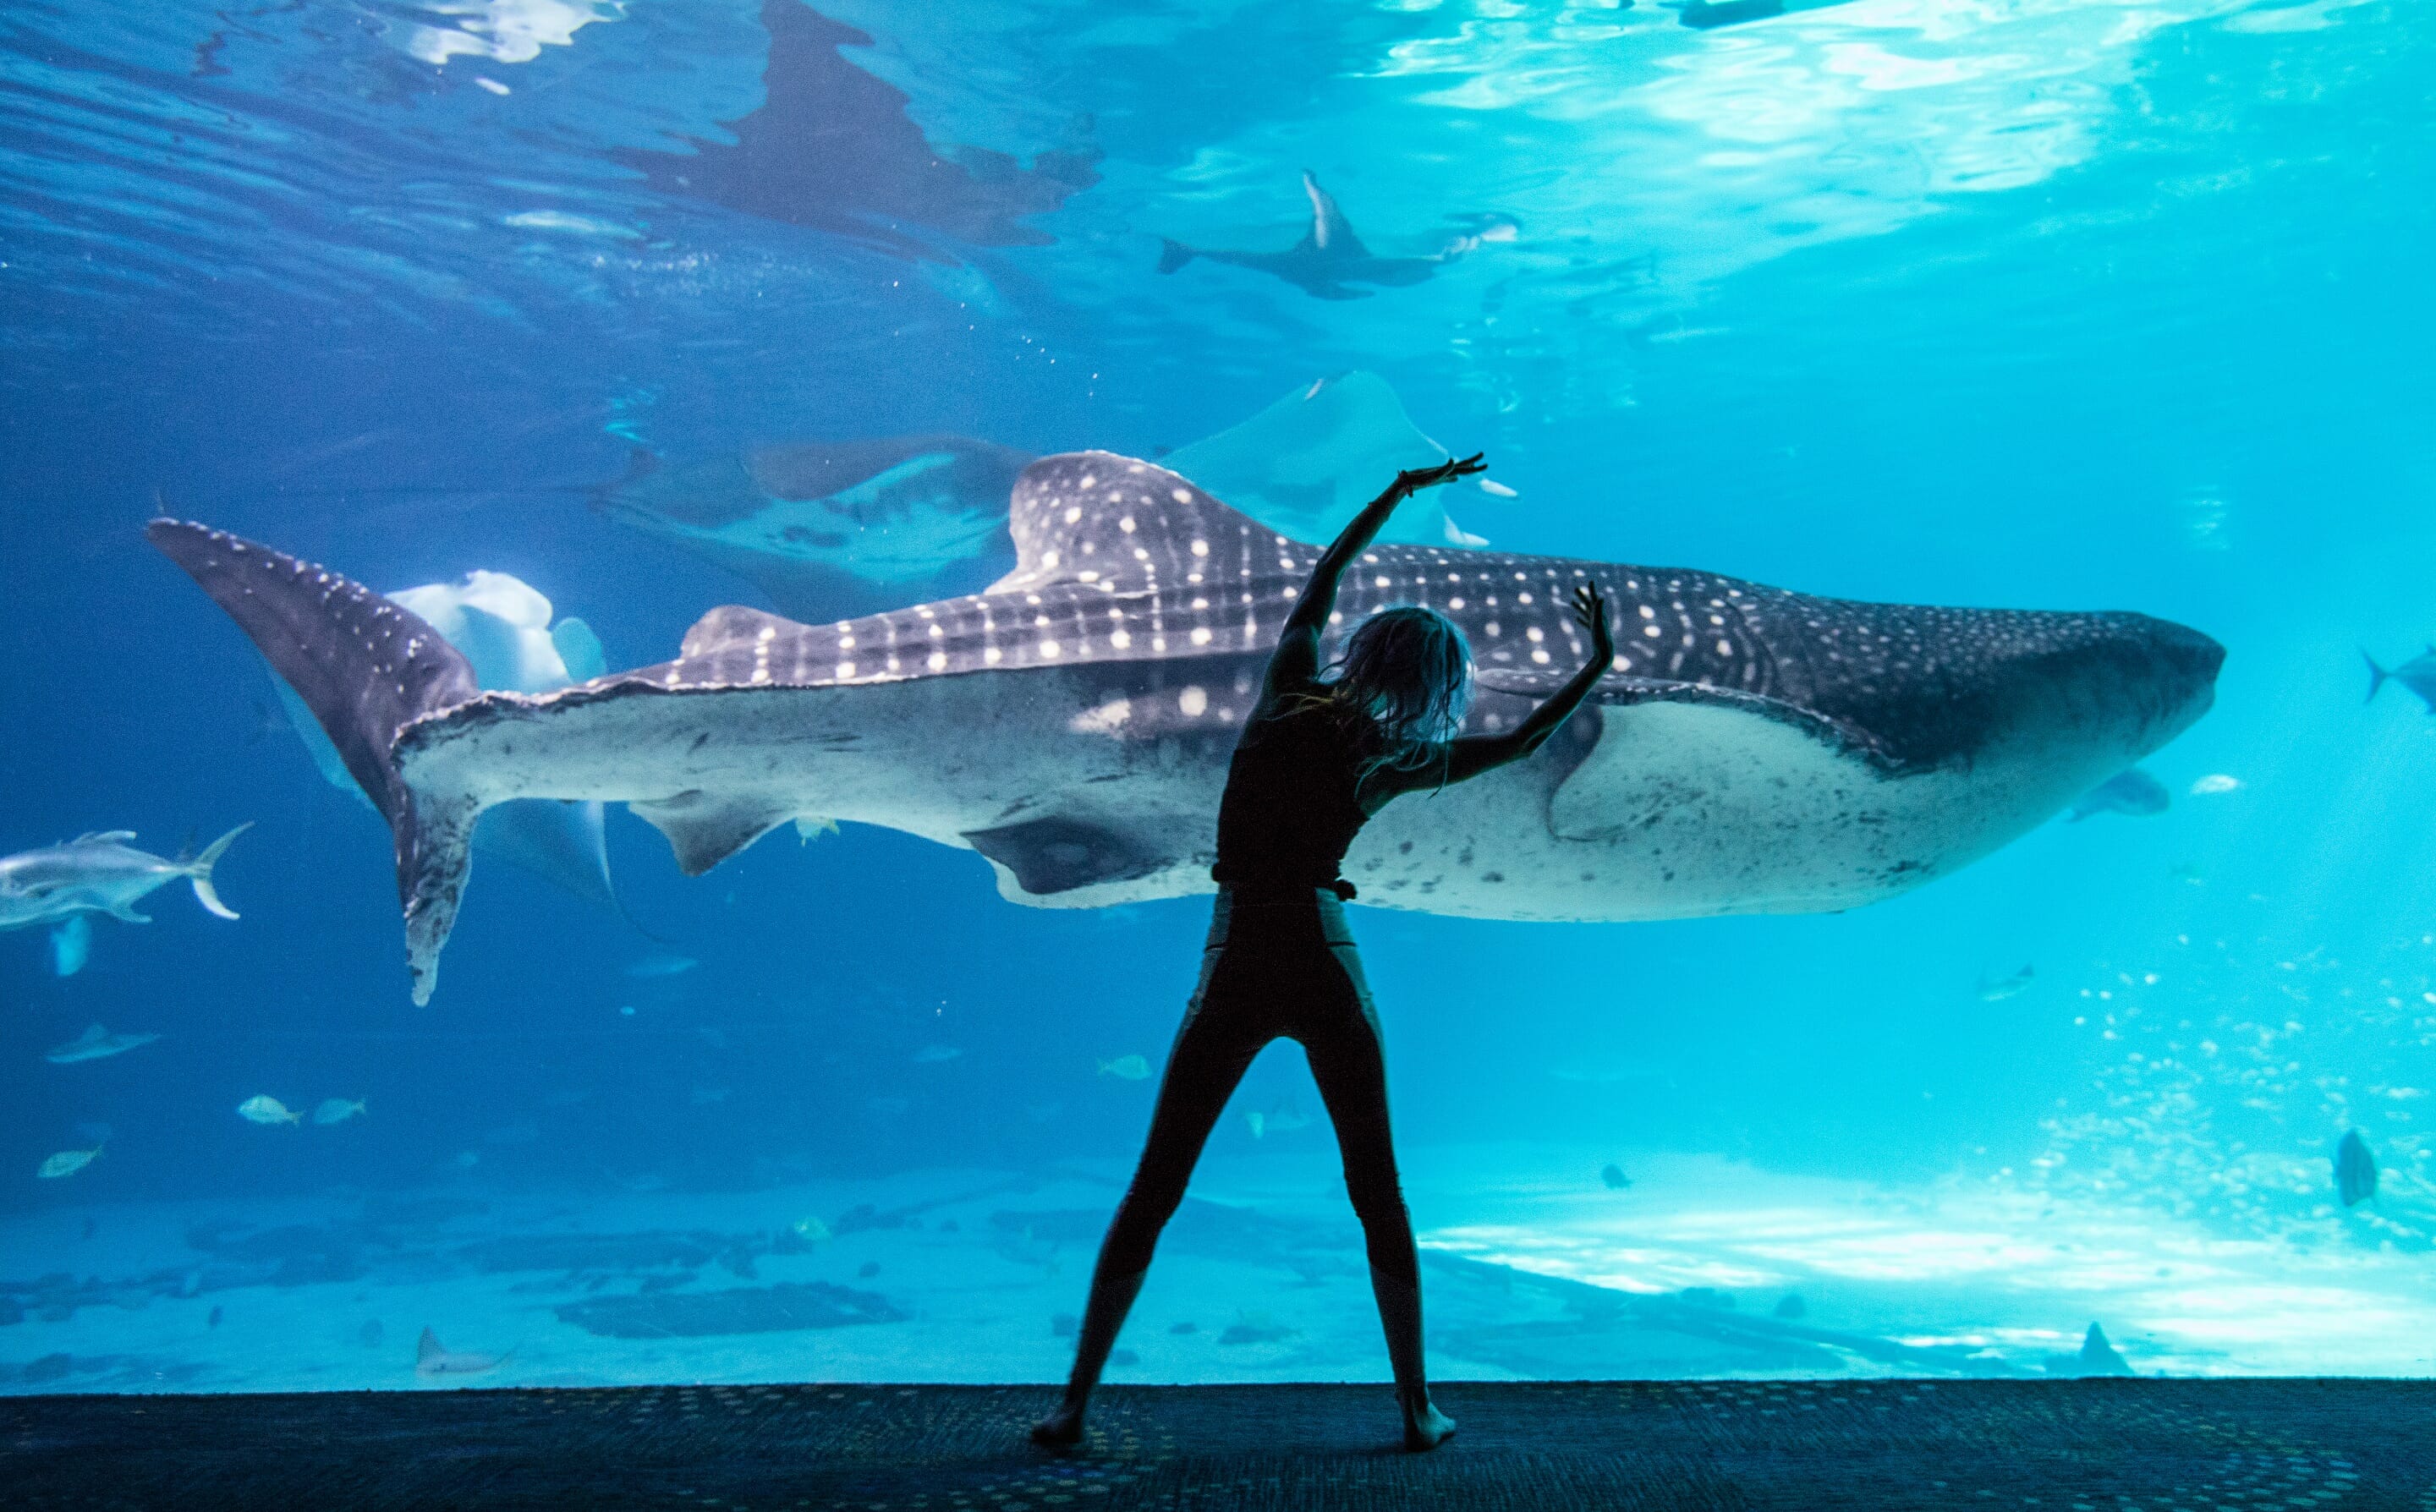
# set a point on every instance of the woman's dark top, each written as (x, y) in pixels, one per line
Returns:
(1292, 800)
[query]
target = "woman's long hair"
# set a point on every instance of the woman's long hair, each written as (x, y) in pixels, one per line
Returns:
(1406, 673)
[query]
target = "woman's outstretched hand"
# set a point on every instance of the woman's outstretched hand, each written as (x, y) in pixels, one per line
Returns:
(1414, 480)
(1590, 610)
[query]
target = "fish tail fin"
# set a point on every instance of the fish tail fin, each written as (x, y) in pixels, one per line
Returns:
(366, 668)
(2376, 675)
(1174, 254)
(199, 872)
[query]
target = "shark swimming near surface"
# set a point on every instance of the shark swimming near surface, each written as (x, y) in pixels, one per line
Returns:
(1752, 751)
(1331, 260)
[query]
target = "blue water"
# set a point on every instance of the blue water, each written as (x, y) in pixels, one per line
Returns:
(2049, 304)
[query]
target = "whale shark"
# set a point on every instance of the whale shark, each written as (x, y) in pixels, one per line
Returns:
(1330, 259)
(1752, 749)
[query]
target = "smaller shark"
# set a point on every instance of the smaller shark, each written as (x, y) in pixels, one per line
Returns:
(433, 1358)
(96, 1043)
(101, 874)
(1330, 259)
(2417, 674)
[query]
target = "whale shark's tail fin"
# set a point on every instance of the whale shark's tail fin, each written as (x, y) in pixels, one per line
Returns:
(366, 668)
(1174, 254)
(2376, 675)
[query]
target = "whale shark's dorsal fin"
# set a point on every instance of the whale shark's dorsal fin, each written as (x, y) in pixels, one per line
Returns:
(93, 1036)
(1120, 523)
(427, 1348)
(1330, 233)
(728, 625)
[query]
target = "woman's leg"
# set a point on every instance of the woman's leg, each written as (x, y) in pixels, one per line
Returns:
(1210, 1055)
(1341, 1037)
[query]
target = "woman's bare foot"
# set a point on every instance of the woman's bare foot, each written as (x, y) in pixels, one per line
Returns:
(1425, 1427)
(1063, 1428)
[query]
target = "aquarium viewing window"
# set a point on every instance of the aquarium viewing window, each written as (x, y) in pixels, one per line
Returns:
(852, 752)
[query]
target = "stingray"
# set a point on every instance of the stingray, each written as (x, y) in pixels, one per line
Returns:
(832, 147)
(1305, 464)
(1331, 259)
(1752, 750)
(834, 528)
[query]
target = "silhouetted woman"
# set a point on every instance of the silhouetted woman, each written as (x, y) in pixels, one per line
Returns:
(1320, 754)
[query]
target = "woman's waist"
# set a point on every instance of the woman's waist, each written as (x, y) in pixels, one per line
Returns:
(1288, 911)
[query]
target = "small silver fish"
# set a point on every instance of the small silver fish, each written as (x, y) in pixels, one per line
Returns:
(433, 1358)
(266, 1109)
(338, 1110)
(1126, 1067)
(1997, 989)
(95, 1044)
(101, 874)
(661, 965)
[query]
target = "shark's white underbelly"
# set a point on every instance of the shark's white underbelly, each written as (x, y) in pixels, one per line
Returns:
(1675, 809)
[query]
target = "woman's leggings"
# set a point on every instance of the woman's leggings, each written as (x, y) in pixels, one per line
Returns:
(1271, 970)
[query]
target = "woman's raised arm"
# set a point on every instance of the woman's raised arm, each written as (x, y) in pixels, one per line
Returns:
(1297, 658)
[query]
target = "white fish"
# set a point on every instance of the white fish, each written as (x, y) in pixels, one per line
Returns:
(1496, 490)
(338, 1110)
(95, 1044)
(67, 1163)
(935, 1054)
(432, 1359)
(1128, 1067)
(2214, 782)
(266, 1109)
(71, 946)
(101, 874)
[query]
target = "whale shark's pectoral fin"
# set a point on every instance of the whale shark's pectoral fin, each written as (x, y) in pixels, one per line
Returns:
(1058, 854)
(704, 829)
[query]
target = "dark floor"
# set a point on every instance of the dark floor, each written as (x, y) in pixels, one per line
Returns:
(2086, 1446)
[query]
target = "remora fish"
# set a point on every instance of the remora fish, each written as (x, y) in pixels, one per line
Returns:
(1753, 751)
(101, 874)
(96, 1043)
